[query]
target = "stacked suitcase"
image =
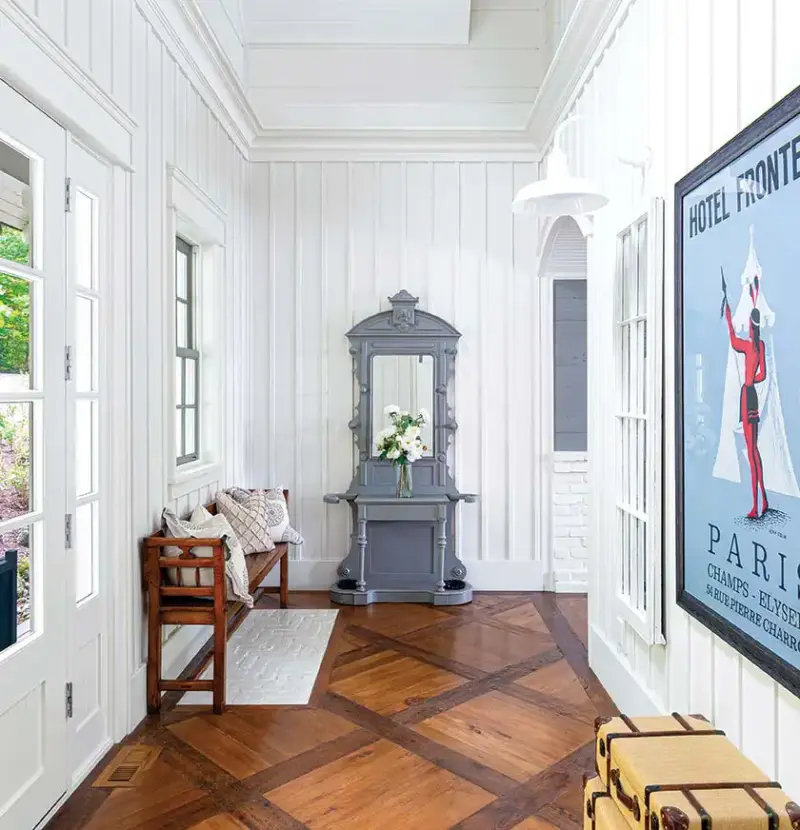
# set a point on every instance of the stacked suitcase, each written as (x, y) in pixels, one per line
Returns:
(679, 773)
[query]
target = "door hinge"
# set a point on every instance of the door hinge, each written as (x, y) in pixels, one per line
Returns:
(67, 194)
(68, 363)
(68, 700)
(68, 531)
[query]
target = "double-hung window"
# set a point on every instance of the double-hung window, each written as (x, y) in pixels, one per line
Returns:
(639, 407)
(187, 355)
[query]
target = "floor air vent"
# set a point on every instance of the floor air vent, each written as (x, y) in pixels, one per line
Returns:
(127, 767)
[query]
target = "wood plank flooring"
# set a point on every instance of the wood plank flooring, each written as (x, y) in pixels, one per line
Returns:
(472, 717)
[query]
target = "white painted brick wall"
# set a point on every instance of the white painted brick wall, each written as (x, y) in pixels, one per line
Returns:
(569, 522)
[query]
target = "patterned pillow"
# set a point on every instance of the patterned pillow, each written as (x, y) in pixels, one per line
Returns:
(202, 525)
(248, 520)
(238, 494)
(278, 519)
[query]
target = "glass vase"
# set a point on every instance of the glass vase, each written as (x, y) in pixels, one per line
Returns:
(403, 477)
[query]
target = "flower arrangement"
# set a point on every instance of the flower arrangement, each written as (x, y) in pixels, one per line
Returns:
(401, 443)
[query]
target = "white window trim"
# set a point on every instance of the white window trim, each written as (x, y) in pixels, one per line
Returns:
(648, 624)
(197, 219)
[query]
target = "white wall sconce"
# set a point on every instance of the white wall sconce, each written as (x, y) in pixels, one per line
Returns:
(559, 193)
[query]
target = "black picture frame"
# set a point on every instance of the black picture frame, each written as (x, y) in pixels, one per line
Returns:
(783, 112)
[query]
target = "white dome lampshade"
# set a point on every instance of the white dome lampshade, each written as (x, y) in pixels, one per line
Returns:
(559, 193)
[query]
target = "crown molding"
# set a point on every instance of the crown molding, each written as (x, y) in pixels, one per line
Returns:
(590, 28)
(389, 145)
(180, 25)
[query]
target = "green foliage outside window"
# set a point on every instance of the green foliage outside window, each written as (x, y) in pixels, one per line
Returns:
(15, 307)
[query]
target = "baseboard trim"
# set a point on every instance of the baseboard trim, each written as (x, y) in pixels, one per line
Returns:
(137, 698)
(581, 587)
(488, 575)
(483, 575)
(620, 681)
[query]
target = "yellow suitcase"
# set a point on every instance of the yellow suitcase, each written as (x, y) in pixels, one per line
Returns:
(679, 773)
(600, 811)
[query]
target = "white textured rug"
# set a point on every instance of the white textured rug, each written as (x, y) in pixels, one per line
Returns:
(274, 658)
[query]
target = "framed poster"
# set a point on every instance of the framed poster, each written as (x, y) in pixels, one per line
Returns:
(737, 228)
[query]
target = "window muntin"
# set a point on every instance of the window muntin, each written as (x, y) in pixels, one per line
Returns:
(638, 352)
(187, 355)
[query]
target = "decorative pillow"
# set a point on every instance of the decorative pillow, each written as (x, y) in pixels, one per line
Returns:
(238, 494)
(248, 520)
(278, 518)
(202, 525)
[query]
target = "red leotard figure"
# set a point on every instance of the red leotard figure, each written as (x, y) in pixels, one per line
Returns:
(755, 371)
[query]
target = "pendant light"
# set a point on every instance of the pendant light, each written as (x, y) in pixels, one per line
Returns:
(559, 193)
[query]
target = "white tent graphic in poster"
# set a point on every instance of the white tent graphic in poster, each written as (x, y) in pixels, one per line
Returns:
(739, 282)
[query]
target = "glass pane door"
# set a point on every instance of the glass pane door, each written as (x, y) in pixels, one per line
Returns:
(32, 468)
(86, 488)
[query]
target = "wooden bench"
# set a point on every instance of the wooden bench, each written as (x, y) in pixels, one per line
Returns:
(198, 605)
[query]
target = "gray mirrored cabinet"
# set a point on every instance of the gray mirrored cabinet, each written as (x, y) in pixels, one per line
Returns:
(403, 549)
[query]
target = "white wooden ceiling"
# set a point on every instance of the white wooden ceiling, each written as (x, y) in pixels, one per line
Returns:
(388, 65)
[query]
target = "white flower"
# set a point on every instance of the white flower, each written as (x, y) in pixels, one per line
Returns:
(425, 416)
(392, 409)
(393, 454)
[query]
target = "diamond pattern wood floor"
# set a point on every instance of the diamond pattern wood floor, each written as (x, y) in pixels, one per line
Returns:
(472, 717)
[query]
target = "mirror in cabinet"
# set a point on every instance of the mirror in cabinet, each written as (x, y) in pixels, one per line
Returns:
(405, 381)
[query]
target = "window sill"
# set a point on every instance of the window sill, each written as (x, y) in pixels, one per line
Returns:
(192, 477)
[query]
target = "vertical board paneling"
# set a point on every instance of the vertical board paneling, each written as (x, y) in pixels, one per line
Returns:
(759, 722)
(141, 511)
(498, 344)
(470, 395)
(78, 18)
(728, 691)
(156, 292)
(287, 285)
(787, 55)
(721, 65)
(311, 350)
(102, 38)
(112, 42)
(521, 415)
(122, 70)
(345, 236)
(335, 398)
(756, 69)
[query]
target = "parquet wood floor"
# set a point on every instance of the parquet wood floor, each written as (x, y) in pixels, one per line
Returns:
(466, 718)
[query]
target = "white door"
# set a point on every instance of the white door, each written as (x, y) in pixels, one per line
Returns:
(87, 269)
(33, 724)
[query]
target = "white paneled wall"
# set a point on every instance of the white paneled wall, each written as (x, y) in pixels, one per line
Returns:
(679, 77)
(126, 49)
(332, 241)
(179, 130)
(86, 30)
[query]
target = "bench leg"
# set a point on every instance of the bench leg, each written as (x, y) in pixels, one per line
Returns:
(220, 643)
(285, 580)
(153, 648)
(220, 630)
